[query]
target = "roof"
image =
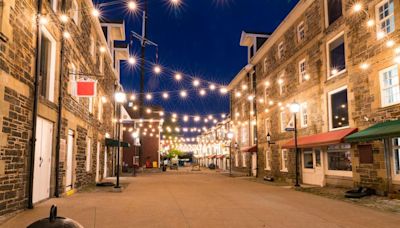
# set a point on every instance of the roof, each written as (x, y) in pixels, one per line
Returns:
(246, 37)
(322, 139)
(377, 132)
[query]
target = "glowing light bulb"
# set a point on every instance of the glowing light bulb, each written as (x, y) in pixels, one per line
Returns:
(43, 20)
(95, 12)
(66, 35)
(178, 77)
(370, 23)
(149, 96)
(306, 77)
(102, 49)
(364, 66)
(157, 69)
(212, 87)
(132, 5)
(280, 81)
(380, 35)
(238, 94)
(390, 43)
(132, 60)
(357, 7)
(202, 92)
(196, 83)
(165, 95)
(183, 94)
(223, 90)
(64, 18)
(267, 83)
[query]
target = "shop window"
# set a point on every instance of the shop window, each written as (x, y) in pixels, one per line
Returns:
(301, 32)
(303, 115)
(390, 89)
(281, 83)
(308, 159)
(280, 50)
(88, 154)
(396, 155)
(385, 16)
(334, 10)
(336, 56)
(284, 159)
(47, 66)
(339, 161)
(302, 70)
(365, 152)
(268, 159)
(317, 157)
(339, 113)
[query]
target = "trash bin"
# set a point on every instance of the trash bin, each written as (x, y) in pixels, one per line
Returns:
(155, 164)
(53, 221)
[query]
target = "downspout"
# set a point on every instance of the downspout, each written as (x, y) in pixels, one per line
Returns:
(387, 150)
(60, 104)
(35, 104)
(249, 124)
(256, 115)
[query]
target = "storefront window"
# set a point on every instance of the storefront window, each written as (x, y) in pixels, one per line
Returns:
(318, 158)
(308, 160)
(339, 160)
(396, 155)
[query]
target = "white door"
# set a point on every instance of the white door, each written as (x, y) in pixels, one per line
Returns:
(42, 165)
(254, 164)
(69, 162)
(98, 162)
(105, 163)
(313, 172)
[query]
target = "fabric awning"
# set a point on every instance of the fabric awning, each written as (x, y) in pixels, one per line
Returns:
(211, 156)
(220, 156)
(323, 139)
(249, 149)
(376, 132)
(114, 143)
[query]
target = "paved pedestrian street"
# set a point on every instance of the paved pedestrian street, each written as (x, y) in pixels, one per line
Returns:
(188, 199)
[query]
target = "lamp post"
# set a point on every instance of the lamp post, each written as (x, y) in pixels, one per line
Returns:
(230, 137)
(294, 109)
(120, 98)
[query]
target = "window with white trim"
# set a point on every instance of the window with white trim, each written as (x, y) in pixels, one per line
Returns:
(92, 46)
(244, 160)
(284, 159)
(390, 88)
(281, 83)
(90, 104)
(338, 108)
(53, 4)
(301, 35)
(244, 135)
(268, 159)
(384, 12)
(396, 155)
(302, 70)
(88, 154)
(265, 63)
(283, 121)
(336, 56)
(303, 115)
(75, 11)
(243, 110)
(47, 66)
(100, 109)
(267, 124)
(334, 10)
(280, 49)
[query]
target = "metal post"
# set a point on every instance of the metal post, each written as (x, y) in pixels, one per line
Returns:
(119, 143)
(35, 104)
(230, 158)
(296, 151)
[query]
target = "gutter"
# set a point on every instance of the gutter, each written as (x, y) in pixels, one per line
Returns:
(35, 103)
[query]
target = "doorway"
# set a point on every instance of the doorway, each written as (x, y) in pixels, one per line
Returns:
(98, 162)
(69, 163)
(105, 163)
(312, 167)
(254, 164)
(42, 164)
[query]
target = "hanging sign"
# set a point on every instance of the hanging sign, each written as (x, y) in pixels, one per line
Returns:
(290, 126)
(86, 88)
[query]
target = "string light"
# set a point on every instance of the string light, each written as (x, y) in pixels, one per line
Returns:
(370, 23)
(223, 90)
(178, 76)
(165, 95)
(132, 5)
(66, 35)
(43, 20)
(64, 18)
(196, 83)
(357, 7)
(102, 49)
(132, 60)
(212, 87)
(149, 96)
(95, 12)
(390, 43)
(202, 92)
(157, 69)
(183, 94)
(364, 66)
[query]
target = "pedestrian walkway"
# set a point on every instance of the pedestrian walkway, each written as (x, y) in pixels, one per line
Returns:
(205, 199)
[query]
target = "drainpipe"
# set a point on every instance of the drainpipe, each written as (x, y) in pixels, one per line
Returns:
(387, 149)
(256, 116)
(60, 105)
(35, 103)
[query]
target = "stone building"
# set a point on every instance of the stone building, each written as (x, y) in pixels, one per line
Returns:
(63, 45)
(338, 61)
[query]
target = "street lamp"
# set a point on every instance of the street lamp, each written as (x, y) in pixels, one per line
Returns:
(120, 98)
(230, 137)
(295, 108)
(269, 139)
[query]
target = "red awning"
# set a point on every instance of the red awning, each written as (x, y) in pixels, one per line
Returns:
(220, 156)
(250, 149)
(211, 156)
(323, 139)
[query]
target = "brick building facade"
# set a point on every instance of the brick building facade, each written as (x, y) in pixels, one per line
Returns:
(338, 61)
(80, 51)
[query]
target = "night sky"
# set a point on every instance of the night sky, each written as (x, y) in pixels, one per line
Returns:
(200, 38)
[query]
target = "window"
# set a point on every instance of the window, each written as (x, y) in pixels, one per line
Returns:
(244, 135)
(390, 88)
(302, 70)
(301, 35)
(281, 83)
(334, 10)
(244, 162)
(303, 115)
(92, 46)
(385, 16)
(88, 154)
(75, 12)
(339, 160)
(336, 56)
(339, 112)
(243, 109)
(236, 159)
(267, 126)
(283, 121)
(317, 157)
(254, 134)
(308, 159)
(53, 4)
(265, 64)
(285, 163)
(90, 104)
(268, 159)
(47, 66)
(100, 109)
(280, 50)
(396, 155)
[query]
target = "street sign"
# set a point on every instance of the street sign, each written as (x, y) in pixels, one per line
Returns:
(86, 88)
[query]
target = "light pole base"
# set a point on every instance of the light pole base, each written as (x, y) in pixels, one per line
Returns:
(117, 189)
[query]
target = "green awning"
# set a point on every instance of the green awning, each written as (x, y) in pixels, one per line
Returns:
(114, 143)
(376, 132)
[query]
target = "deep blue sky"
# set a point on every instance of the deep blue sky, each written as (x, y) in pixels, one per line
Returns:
(201, 38)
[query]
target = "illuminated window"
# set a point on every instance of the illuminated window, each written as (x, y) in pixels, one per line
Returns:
(284, 159)
(302, 70)
(338, 108)
(336, 56)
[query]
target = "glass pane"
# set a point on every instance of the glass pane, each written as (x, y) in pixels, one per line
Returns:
(334, 10)
(317, 158)
(337, 55)
(339, 109)
(396, 142)
(339, 161)
(308, 160)
(397, 161)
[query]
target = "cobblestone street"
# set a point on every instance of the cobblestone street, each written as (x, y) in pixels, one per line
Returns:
(206, 199)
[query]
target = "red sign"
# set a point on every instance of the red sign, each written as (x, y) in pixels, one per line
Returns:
(86, 88)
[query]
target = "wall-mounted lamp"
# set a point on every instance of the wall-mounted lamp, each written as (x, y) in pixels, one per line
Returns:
(269, 139)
